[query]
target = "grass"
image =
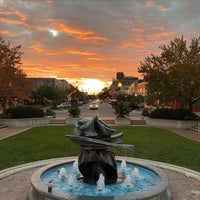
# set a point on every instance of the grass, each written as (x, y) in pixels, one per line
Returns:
(49, 142)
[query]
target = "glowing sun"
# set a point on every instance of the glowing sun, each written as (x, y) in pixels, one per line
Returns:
(91, 86)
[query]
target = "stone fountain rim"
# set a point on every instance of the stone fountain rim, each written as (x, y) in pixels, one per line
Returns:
(159, 188)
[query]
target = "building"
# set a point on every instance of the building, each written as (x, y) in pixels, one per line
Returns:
(141, 88)
(58, 84)
(125, 84)
(37, 82)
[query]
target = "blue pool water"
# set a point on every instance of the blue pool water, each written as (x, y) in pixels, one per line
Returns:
(145, 180)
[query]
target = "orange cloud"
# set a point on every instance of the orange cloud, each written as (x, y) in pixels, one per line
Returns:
(92, 37)
(84, 53)
(161, 35)
(15, 14)
(126, 45)
(5, 32)
(151, 3)
(38, 49)
(4, 20)
(49, 1)
(77, 33)
(138, 30)
(138, 43)
(96, 59)
(70, 31)
(22, 16)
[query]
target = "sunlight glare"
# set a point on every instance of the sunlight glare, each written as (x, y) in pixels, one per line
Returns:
(92, 86)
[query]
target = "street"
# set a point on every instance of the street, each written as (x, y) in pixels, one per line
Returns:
(105, 110)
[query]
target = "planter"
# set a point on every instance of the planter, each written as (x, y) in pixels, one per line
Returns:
(167, 123)
(26, 122)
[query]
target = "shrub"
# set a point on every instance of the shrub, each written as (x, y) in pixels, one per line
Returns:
(50, 112)
(122, 109)
(160, 113)
(23, 112)
(121, 106)
(176, 114)
(74, 111)
(145, 112)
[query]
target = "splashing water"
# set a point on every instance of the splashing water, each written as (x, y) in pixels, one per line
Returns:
(127, 181)
(123, 165)
(136, 173)
(75, 165)
(101, 183)
(62, 173)
(71, 181)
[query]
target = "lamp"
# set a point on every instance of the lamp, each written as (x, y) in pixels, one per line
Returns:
(119, 85)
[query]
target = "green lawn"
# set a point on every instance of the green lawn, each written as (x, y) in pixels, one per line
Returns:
(49, 142)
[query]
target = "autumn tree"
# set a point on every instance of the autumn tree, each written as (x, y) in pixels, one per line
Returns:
(175, 73)
(12, 78)
(48, 92)
(104, 93)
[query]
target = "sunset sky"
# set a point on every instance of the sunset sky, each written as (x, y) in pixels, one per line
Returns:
(80, 40)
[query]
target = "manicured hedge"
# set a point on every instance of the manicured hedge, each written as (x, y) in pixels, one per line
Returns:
(23, 112)
(176, 114)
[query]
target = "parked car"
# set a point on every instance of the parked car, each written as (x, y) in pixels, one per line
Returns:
(94, 106)
(64, 105)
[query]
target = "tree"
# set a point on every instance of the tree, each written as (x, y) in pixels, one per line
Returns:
(104, 94)
(49, 92)
(122, 108)
(12, 79)
(175, 73)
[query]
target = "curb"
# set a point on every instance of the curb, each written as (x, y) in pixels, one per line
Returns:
(181, 170)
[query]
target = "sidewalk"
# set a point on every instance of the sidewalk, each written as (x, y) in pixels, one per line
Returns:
(190, 134)
(9, 131)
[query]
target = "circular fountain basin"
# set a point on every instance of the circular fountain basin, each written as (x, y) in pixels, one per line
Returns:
(152, 184)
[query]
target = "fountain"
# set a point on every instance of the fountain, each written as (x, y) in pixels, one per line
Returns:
(96, 173)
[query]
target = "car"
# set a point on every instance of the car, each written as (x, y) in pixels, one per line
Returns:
(94, 106)
(64, 105)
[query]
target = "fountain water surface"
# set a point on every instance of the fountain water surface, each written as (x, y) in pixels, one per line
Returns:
(96, 174)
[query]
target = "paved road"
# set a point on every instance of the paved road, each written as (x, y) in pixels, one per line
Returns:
(105, 110)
